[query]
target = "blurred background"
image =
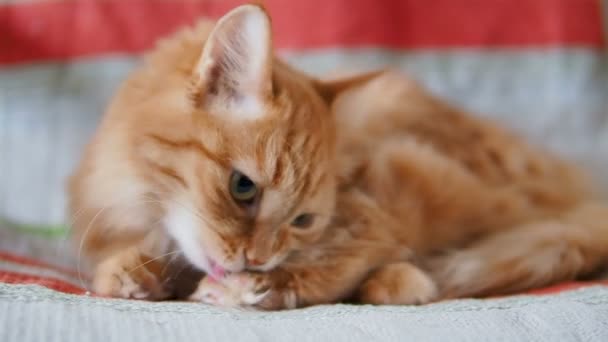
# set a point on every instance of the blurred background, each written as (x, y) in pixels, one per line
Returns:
(538, 66)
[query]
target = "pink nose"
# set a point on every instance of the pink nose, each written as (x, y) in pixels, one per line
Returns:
(254, 261)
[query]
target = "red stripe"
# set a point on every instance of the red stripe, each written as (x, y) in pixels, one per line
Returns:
(65, 29)
(567, 286)
(17, 259)
(48, 282)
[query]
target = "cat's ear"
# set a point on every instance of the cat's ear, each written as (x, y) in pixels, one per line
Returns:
(233, 77)
(330, 89)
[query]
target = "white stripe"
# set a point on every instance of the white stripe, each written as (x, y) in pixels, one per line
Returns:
(47, 113)
(555, 97)
(55, 251)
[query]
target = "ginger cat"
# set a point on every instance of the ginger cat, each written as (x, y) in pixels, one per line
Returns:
(213, 149)
(218, 151)
(432, 204)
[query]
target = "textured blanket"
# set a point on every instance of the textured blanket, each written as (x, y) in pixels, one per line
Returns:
(32, 313)
(55, 306)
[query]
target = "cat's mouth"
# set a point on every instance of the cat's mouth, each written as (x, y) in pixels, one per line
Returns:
(216, 271)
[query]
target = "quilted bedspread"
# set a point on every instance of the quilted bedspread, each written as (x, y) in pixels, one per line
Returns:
(538, 66)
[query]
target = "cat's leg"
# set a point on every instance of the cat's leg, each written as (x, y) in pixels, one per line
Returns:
(528, 256)
(397, 284)
(272, 290)
(288, 287)
(130, 274)
(140, 271)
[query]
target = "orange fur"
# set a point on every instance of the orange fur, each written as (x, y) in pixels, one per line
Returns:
(479, 211)
(413, 199)
(206, 102)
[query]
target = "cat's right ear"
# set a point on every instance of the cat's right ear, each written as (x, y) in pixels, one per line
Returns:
(233, 78)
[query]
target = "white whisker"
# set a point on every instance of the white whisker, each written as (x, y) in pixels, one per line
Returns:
(81, 245)
(171, 260)
(151, 260)
(83, 239)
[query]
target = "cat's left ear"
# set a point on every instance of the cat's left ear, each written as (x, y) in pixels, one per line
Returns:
(330, 89)
(234, 74)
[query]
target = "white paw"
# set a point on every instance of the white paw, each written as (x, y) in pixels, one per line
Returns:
(235, 290)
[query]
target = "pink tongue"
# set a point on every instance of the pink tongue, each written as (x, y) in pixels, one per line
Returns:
(217, 271)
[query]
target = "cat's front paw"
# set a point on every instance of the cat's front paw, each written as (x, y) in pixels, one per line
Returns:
(127, 276)
(257, 290)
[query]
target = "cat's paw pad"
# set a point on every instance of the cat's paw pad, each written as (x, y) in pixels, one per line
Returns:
(117, 280)
(235, 290)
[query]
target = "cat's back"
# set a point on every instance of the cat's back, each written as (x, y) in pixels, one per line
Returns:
(394, 109)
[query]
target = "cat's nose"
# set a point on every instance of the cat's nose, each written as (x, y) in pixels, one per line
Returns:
(252, 260)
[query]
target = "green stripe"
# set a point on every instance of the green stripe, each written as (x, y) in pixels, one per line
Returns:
(49, 231)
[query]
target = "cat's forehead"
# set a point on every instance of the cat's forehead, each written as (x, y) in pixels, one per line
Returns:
(249, 166)
(287, 170)
(276, 195)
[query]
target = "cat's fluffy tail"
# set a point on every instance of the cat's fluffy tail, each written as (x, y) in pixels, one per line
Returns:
(532, 255)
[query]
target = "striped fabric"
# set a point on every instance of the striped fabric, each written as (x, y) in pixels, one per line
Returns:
(539, 66)
(17, 269)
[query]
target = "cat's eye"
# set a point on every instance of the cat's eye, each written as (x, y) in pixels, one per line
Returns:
(242, 188)
(303, 221)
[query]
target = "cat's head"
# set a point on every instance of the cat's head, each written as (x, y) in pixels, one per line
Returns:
(250, 176)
